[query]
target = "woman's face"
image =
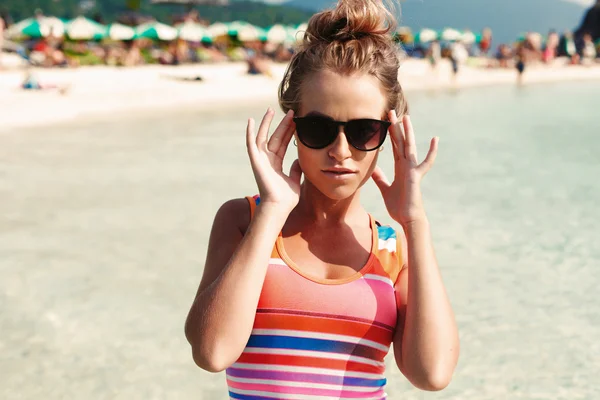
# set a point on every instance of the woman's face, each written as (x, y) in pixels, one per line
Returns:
(341, 98)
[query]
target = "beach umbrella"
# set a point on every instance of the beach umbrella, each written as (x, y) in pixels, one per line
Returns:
(469, 37)
(251, 33)
(426, 35)
(451, 35)
(156, 31)
(299, 32)
(118, 31)
(191, 3)
(193, 32)
(278, 34)
(218, 29)
(82, 28)
(233, 28)
(37, 27)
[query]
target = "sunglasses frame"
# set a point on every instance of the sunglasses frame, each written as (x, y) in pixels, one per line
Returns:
(386, 124)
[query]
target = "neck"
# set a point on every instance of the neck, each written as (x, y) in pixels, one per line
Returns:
(317, 208)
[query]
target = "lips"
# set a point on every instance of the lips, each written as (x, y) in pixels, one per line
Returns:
(338, 172)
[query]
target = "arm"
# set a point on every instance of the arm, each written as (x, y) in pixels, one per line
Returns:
(426, 344)
(220, 320)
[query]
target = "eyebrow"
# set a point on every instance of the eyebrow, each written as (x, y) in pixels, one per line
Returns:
(318, 114)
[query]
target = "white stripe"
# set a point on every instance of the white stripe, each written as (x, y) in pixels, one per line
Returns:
(277, 395)
(277, 261)
(319, 335)
(315, 354)
(313, 385)
(379, 278)
(307, 370)
(389, 245)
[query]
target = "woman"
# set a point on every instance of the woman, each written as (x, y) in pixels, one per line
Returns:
(303, 291)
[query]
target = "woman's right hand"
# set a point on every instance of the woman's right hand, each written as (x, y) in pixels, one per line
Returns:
(266, 156)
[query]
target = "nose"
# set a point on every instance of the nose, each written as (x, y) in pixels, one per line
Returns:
(340, 149)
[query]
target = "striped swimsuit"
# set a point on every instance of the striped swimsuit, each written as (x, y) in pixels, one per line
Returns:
(321, 339)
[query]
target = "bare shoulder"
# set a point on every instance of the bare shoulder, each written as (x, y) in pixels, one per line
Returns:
(228, 229)
(234, 212)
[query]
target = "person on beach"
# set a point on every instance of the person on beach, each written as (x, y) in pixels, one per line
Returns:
(303, 291)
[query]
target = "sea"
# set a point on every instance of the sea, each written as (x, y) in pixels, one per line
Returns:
(104, 224)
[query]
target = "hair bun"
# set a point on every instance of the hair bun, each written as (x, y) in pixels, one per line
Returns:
(351, 20)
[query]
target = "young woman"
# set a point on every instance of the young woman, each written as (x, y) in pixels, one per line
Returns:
(303, 291)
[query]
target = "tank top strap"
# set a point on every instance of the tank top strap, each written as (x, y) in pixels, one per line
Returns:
(389, 250)
(253, 202)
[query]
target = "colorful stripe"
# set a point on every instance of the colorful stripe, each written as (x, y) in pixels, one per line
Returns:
(318, 341)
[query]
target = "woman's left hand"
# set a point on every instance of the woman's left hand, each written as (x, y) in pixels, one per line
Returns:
(403, 196)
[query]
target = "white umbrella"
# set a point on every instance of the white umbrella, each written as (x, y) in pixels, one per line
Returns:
(451, 35)
(82, 28)
(192, 32)
(426, 35)
(468, 37)
(251, 33)
(120, 32)
(277, 34)
(218, 29)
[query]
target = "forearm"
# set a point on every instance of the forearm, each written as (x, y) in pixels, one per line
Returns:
(222, 316)
(430, 343)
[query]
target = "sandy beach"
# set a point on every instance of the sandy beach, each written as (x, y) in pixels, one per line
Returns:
(108, 90)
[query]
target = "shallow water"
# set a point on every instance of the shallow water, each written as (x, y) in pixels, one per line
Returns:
(104, 224)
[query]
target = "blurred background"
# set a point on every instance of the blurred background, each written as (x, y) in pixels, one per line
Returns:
(122, 131)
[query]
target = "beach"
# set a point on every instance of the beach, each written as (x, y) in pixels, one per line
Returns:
(105, 220)
(106, 90)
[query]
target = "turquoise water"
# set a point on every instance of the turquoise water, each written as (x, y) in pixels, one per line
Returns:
(104, 224)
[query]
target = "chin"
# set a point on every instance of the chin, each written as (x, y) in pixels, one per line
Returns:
(337, 192)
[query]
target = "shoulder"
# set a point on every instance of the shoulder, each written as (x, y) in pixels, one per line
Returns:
(235, 212)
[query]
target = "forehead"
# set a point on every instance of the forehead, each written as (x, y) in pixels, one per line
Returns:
(343, 97)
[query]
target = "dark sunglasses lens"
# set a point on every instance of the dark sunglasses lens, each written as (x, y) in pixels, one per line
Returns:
(365, 134)
(316, 133)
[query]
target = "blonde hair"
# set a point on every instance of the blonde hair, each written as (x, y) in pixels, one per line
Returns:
(353, 37)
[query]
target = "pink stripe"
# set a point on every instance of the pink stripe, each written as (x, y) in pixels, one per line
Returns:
(305, 390)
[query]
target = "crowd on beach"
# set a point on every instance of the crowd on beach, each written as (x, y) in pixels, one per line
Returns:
(54, 48)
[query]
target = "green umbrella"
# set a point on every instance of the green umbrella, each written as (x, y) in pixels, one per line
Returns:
(218, 29)
(233, 28)
(82, 28)
(156, 31)
(37, 27)
(426, 35)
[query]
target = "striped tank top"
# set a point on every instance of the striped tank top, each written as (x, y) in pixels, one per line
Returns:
(321, 339)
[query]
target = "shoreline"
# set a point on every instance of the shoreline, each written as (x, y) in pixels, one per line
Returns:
(97, 91)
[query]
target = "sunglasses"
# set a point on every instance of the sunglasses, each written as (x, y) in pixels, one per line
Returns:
(318, 132)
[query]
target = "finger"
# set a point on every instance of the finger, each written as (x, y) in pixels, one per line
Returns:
(250, 137)
(296, 172)
(286, 139)
(397, 135)
(281, 131)
(409, 138)
(430, 158)
(263, 130)
(380, 179)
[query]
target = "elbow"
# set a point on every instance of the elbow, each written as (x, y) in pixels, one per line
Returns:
(208, 362)
(432, 382)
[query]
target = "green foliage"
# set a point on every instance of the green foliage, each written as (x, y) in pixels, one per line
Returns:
(254, 12)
